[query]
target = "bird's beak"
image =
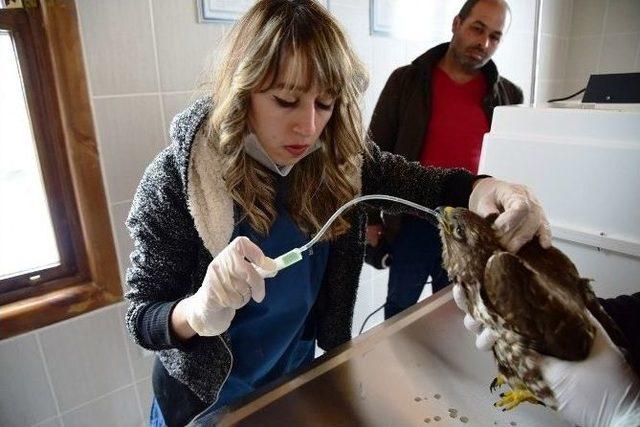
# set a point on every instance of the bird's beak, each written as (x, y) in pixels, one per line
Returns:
(444, 213)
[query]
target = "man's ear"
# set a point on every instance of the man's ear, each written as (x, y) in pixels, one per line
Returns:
(455, 24)
(491, 218)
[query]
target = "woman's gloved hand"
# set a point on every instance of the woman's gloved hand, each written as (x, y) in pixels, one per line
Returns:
(520, 215)
(601, 390)
(230, 282)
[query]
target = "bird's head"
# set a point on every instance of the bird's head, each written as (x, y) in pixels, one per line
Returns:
(468, 241)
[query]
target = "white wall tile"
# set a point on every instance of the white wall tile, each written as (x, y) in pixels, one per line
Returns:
(173, 104)
(379, 290)
(363, 307)
(388, 54)
(26, 396)
(573, 86)
(145, 395)
(116, 409)
(613, 47)
(51, 422)
(118, 46)
(129, 136)
(141, 359)
(416, 48)
(623, 16)
(555, 18)
(552, 58)
(619, 53)
(86, 357)
(124, 244)
(355, 22)
(551, 89)
(523, 16)
(588, 17)
(514, 59)
(583, 57)
(185, 46)
(356, 5)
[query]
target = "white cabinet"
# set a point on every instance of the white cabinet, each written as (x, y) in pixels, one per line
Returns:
(584, 165)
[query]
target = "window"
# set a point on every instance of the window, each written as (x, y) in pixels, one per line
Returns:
(57, 257)
(27, 242)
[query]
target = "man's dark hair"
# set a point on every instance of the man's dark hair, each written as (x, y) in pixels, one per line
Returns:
(467, 7)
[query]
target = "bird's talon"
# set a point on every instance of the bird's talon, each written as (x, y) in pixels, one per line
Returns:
(513, 398)
(498, 381)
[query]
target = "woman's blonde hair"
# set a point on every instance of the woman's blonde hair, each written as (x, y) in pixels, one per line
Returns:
(314, 45)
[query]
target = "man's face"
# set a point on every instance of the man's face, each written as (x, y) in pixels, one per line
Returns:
(476, 39)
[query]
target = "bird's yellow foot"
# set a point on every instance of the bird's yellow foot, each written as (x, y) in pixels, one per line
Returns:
(513, 398)
(498, 381)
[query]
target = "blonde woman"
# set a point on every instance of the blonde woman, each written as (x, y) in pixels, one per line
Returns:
(252, 172)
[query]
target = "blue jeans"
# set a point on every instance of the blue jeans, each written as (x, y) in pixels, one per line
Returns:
(417, 254)
(155, 417)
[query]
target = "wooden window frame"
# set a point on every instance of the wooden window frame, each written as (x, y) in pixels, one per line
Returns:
(88, 277)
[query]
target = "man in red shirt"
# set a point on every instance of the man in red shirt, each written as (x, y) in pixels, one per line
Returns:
(436, 110)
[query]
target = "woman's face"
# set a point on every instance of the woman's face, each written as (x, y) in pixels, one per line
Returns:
(288, 122)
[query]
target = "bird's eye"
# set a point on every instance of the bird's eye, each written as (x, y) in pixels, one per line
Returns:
(458, 232)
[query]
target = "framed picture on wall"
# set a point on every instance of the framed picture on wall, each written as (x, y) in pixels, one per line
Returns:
(222, 10)
(228, 10)
(381, 16)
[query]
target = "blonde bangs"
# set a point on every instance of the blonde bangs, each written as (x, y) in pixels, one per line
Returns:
(300, 46)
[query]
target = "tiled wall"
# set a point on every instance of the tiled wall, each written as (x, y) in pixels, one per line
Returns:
(555, 31)
(605, 38)
(584, 37)
(79, 372)
(143, 58)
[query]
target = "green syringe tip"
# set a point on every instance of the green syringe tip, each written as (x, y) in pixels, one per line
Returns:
(289, 258)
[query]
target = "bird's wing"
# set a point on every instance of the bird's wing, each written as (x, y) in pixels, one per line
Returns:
(555, 266)
(547, 318)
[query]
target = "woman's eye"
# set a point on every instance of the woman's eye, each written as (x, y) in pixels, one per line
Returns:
(284, 103)
(324, 105)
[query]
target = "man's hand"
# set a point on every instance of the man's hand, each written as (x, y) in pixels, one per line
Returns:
(374, 233)
(520, 215)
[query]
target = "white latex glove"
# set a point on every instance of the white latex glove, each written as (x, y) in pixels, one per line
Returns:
(485, 337)
(520, 215)
(601, 390)
(230, 282)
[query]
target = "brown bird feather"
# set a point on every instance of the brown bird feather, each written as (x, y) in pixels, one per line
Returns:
(535, 300)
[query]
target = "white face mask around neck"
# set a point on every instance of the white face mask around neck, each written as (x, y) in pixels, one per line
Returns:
(255, 150)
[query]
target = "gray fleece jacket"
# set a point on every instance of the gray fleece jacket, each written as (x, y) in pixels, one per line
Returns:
(182, 216)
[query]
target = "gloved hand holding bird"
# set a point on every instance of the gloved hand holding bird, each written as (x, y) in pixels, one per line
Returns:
(529, 307)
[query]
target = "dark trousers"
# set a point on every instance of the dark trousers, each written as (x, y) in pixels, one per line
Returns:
(417, 254)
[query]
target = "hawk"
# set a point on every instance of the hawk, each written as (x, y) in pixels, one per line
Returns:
(535, 301)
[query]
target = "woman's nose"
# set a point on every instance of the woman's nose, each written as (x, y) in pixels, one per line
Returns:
(305, 121)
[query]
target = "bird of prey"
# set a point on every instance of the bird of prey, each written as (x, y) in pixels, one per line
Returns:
(535, 301)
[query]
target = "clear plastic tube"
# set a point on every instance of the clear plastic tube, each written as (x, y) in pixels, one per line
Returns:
(350, 203)
(294, 255)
